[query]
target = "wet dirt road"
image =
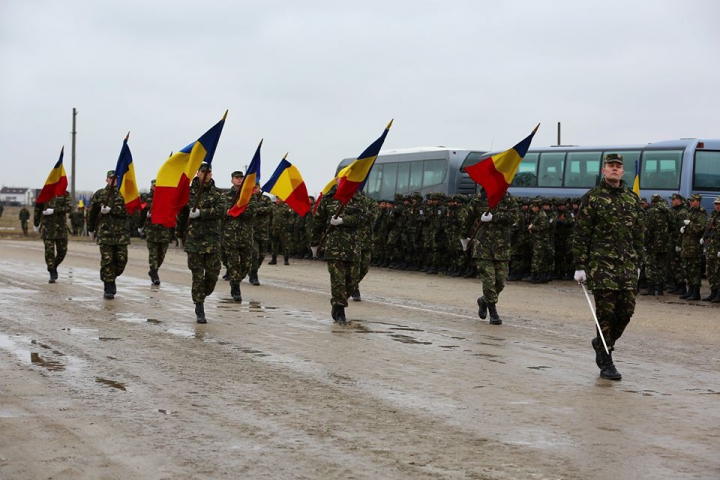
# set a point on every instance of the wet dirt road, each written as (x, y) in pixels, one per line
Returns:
(415, 387)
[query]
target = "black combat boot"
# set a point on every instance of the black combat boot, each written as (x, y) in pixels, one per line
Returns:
(659, 290)
(273, 260)
(716, 299)
(433, 270)
(113, 287)
(711, 297)
(108, 293)
(235, 291)
(154, 277)
(494, 317)
(596, 344)
(53, 275)
(340, 315)
(694, 293)
(333, 312)
(681, 290)
(356, 295)
(650, 289)
(254, 278)
(226, 277)
(482, 310)
(200, 312)
(607, 368)
(287, 261)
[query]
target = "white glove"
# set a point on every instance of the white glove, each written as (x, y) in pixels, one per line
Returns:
(702, 241)
(315, 250)
(422, 212)
(686, 222)
(48, 211)
(195, 213)
(336, 221)
(141, 230)
(464, 242)
(148, 215)
(486, 217)
(678, 249)
(682, 229)
(580, 276)
(105, 209)
(718, 254)
(37, 229)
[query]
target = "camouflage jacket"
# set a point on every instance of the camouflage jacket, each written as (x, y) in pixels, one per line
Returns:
(657, 227)
(283, 219)
(609, 241)
(154, 232)
(540, 232)
(53, 226)
(263, 213)
(342, 241)
(366, 237)
(678, 214)
(24, 214)
(204, 233)
(110, 228)
(712, 234)
(492, 241)
(238, 231)
(694, 231)
(77, 219)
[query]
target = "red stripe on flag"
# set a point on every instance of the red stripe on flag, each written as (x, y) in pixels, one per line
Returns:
(167, 202)
(52, 190)
(492, 181)
(134, 205)
(346, 187)
(299, 200)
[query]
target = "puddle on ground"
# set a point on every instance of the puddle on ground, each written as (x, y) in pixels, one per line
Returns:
(106, 339)
(539, 367)
(154, 321)
(408, 339)
(111, 383)
(130, 318)
(52, 365)
(449, 346)
(407, 329)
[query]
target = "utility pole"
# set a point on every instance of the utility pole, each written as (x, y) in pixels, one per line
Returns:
(72, 185)
(558, 141)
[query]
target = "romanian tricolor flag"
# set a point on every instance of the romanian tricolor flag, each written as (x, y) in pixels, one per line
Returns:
(125, 178)
(287, 184)
(172, 186)
(354, 177)
(636, 183)
(56, 183)
(496, 173)
(252, 176)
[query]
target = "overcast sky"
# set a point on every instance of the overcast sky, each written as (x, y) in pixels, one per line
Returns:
(321, 79)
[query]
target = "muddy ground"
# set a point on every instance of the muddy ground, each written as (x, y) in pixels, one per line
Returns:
(415, 387)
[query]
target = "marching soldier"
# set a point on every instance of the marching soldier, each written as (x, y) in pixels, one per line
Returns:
(238, 236)
(51, 218)
(261, 230)
(608, 251)
(108, 219)
(157, 237)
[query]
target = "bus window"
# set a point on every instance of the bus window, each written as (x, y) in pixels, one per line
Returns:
(707, 170)
(373, 184)
(629, 159)
(434, 172)
(550, 173)
(403, 177)
(389, 177)
(582, 169)
(660, 169)
(526, 175)
(416, 174)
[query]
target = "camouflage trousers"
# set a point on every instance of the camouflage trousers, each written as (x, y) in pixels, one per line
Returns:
(656, 267)
(492, 274)
(692, 267)
(24, 225)
(113, 259)
(259, 251)
(676, 267)
(342, 280)
(55, 251)
(614, 308)
(239, 261)
(364, 268)
(541, 255)
(205, 268)
(280, 244)
(713, 268)
(156, 254)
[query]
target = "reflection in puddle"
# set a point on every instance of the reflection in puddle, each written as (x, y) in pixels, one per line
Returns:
(407, 329)
(154, 321)
(52, 365)
(130, 318)
(111, 383)
(408, 339)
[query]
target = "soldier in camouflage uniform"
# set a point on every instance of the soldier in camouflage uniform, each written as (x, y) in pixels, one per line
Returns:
(77, 221)
(679, 214)
(261, 232)
(691, 232)
(396, 228)
(491, 247)
(379, 233)
(24, 216)
(520, 245)
(201, 227)
(238, 236)
(108, 219)
(281, 227)
(157, 237)
(342, 246)
(51, 217)
(711, 240)
(657, 222)
(539, 229)
(564, 224)
(365, 234)
(608, 251)
(549, 209)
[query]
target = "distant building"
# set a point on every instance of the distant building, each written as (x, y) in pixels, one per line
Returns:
(17, 196)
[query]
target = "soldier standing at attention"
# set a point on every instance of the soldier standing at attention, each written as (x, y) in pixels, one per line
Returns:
(24, 216)
(539, 229)
(157, 237)
(657, 235)
(281, 227)
(261, 232)
(342, 247)
(679, 214)
(491, 248)
(711, 240)
(51, 218)
(238, 236)
(691, 233)
(77, 220)
(201, 226)
(608, 251)
(108, 219)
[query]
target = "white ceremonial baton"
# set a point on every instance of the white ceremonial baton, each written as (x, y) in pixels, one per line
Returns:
(592, 309)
